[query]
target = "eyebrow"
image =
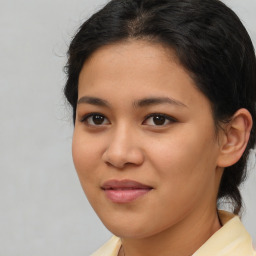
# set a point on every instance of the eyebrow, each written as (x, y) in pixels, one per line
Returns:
(93, 101)
(157, 100)
(138, 103)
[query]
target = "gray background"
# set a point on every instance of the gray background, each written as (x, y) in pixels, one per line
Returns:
(43, 210)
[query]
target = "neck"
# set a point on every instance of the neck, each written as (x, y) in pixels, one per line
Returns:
(178, 240)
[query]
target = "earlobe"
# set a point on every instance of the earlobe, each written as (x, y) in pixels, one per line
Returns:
(235, 138)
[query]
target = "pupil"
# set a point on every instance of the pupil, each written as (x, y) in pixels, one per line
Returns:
(98, 119)
(159, 120)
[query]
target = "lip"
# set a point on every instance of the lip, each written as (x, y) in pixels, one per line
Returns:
(124, 191)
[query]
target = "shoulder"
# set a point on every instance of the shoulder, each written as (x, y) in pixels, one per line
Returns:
(110, 248)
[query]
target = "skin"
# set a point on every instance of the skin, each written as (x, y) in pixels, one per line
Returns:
(179, 159)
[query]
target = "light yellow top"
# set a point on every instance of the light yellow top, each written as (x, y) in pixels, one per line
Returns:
(230, 240)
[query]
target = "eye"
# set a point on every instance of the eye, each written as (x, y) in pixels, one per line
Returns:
(95, 119)
(158, 120)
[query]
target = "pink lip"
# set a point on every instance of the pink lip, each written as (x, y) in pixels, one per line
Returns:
(124, 191)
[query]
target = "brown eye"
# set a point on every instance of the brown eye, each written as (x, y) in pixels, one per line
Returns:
(95, 120)
(158, 120)
(98, 120)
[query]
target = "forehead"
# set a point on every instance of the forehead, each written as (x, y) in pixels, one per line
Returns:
(137, 69)
(130, 53)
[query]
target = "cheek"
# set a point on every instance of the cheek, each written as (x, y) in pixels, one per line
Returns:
(185, 162)
(175, 154)
(86, 160)
(85, 156)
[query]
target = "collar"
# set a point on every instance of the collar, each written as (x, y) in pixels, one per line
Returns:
(231, 239)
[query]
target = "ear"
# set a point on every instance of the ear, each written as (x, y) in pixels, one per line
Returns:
(234, 138)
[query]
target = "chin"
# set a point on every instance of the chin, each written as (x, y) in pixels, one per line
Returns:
(127, 229)
(133, 230)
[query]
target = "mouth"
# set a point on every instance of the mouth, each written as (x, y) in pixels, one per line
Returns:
(124, 191)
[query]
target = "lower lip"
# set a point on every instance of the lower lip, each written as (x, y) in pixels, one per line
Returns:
(125, 195)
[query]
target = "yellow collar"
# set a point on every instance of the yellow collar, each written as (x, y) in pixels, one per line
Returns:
(230, 240)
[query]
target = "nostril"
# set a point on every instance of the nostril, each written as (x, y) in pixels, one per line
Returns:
(117, 164)
(121, 153)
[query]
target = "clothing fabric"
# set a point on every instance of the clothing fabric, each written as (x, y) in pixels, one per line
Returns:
(231, 239)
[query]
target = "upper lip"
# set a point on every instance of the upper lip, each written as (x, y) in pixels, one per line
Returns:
(121, 184)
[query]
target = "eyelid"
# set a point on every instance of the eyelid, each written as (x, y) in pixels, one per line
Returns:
(169, 118)
(84, 118)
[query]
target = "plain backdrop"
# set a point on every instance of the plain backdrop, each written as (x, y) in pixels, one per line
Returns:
(43, 210)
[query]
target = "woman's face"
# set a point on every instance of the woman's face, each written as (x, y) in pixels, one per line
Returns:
(144, 145)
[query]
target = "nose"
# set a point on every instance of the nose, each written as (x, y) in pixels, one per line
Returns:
(123, 149)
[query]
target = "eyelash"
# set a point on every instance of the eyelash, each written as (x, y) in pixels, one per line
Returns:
(170, 119)
(166, 117)
(85, 118)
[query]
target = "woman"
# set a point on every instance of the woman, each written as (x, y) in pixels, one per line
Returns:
(163, 95)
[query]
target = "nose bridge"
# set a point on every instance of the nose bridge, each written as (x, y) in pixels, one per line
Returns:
(126, 133)
(123, 147)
